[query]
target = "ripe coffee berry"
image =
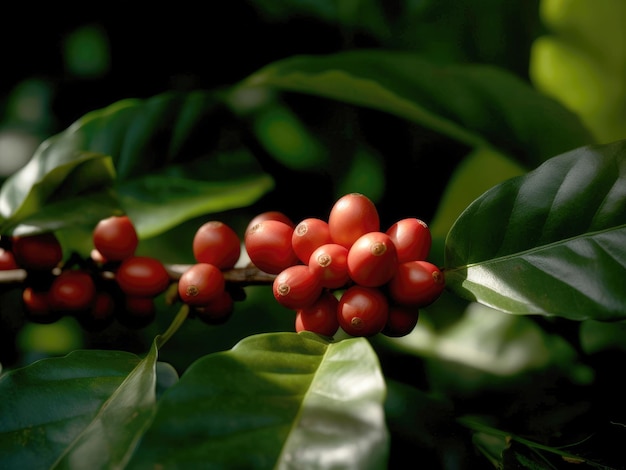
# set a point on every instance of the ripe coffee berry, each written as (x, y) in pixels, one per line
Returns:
(351, 216)
(72, 291)
(216, 311)
(142, 276)
(216, 243)
(36, 305)
(401, 321)
(268, 245)
(320, 317)
(7, 260)
(296, 287)
(138, 312)
(200, 284)
(412, 239)
(115, 238)
(41, 252)
(100, 315)
(329, 262)
(269, 215)
(362, 311)
(308, 235)
(372, 259)
(417, 283)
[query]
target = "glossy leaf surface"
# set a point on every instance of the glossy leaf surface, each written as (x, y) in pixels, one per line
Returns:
(551, 242)
(476, 105)
(278, 400)
(46, 406)
(161, 157)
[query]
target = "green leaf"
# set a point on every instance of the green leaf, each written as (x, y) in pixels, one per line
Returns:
(73, 185)
(45, 406)
(474, 104)
(276, 400)
(156, 203)
(162, 156)
(551, 242)
(110, 438)
(85, 410)
(582, 61)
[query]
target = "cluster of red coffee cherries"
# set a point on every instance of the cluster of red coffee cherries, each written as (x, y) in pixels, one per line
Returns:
(112, 284)
(344, 272)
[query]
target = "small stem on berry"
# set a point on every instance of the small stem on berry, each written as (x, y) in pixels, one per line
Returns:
(179, 319)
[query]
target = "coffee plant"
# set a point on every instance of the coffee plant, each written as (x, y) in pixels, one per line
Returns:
(387, 249)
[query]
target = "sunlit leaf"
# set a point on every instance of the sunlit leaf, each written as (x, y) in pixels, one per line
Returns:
(61, 180)
(162, 157)
(474, 104)
(277, 400)
(551, 242)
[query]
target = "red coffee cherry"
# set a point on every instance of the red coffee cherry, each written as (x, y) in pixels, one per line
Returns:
(362, 311)
(216, 311)
(372, 259)
(401, 321)
(138, 312)
(412, 239)
(296, 287)
(269, 215)
(7, 260)
(200, 284)
(142, 276)
(100, 315)
(72, 291)
(115, 238)
(216, 243)
(417, 283)
(308, 235)
(36, 305)
(268, 245)
(351, 216)
(320, 317)
(329, 262)
(41, 252)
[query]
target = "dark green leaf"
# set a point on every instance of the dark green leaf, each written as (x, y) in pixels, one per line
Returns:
(46, 405)
(60, 181)
(474, 104)
(163, 158)
(110, 437)
(277, 400)
(156, 203)
(552, 242)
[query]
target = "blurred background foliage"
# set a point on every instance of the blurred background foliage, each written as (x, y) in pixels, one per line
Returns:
(59, 65)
